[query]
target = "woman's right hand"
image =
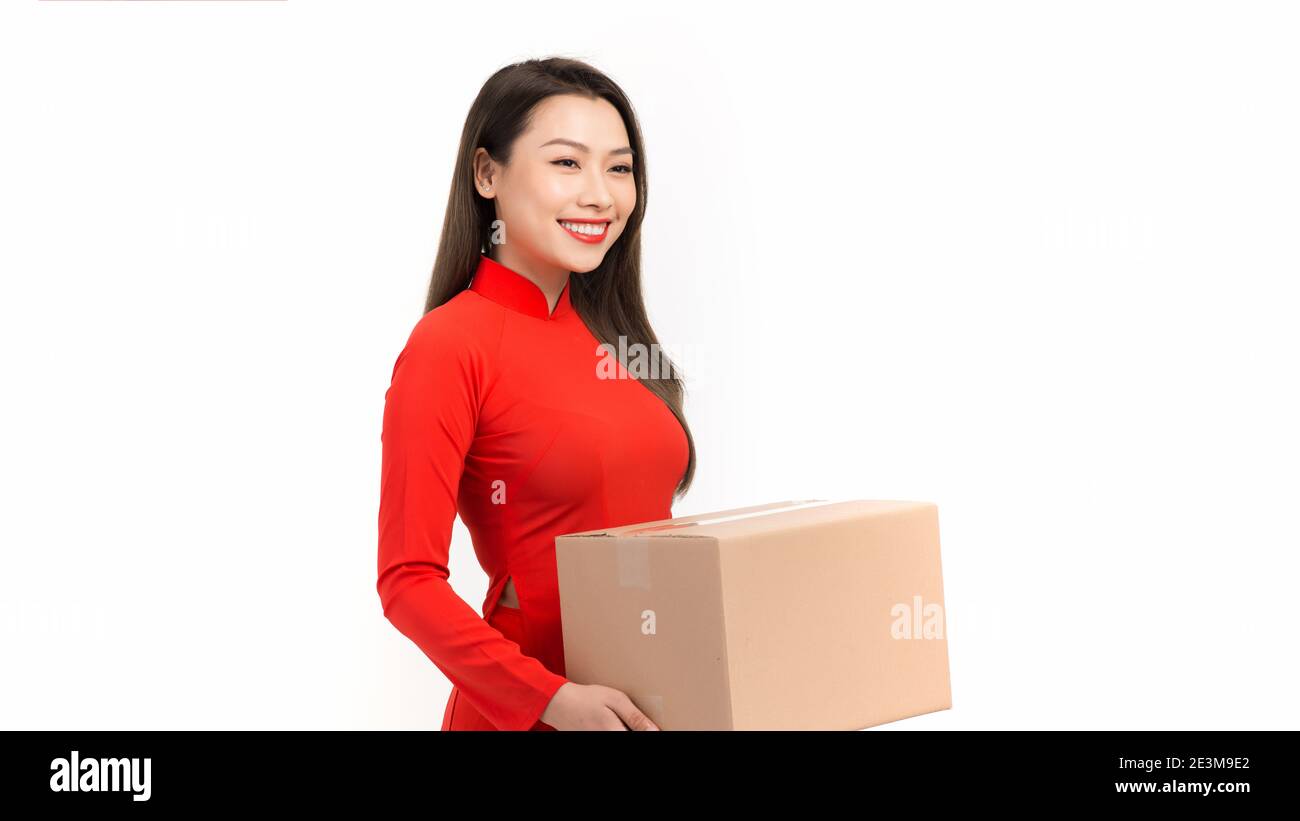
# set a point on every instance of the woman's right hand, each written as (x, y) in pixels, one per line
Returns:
(594, 707)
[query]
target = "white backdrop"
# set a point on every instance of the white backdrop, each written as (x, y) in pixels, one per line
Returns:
(1034, 262)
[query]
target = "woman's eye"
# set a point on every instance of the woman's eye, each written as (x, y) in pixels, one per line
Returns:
(622, 169)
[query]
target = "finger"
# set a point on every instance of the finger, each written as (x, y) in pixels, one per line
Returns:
(631, 716)
(612, 720)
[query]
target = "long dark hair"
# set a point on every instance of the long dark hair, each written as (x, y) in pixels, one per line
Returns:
(608, 298)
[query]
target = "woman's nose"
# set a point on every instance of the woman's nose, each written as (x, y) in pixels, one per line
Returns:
(595, 192)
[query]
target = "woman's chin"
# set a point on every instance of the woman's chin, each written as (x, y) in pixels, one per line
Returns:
(580, 262)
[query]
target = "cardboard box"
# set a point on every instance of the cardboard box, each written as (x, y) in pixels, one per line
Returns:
(809, 615)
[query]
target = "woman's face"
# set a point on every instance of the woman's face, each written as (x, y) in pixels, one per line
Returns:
(572, 166)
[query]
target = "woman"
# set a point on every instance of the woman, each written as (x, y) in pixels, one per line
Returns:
(501, 407)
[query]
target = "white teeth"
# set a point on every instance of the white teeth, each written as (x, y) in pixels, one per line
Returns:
(592, 229)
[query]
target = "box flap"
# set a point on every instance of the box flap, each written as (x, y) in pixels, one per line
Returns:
(698, 524)
(683, 521)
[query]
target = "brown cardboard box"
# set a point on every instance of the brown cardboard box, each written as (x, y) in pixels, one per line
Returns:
(793, 615)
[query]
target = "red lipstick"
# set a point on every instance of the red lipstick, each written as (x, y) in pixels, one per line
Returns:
(590, 239)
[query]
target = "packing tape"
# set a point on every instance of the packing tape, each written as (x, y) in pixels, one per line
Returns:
(633, 564)
(653, 706)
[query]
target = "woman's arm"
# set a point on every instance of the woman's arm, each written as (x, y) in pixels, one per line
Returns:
(430, 414)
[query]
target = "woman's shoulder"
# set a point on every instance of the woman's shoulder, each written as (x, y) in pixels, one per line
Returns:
(458, 326)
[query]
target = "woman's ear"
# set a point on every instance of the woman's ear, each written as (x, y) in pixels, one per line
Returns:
(484, 173)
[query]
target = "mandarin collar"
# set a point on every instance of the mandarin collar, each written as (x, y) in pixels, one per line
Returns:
(507, 287)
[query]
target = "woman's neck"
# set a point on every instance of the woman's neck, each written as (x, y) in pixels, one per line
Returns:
(548, 279)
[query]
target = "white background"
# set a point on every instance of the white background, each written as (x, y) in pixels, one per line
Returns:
(1034, 262)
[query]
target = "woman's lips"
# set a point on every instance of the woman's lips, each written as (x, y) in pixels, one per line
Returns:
(571, 228)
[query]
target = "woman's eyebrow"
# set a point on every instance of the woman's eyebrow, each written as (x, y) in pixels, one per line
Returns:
(627, 149)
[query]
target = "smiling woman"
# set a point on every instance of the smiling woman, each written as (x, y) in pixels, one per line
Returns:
(498, 408)
(585, 184)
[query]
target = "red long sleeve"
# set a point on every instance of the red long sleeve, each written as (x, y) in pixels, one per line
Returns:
(499, 413)
(430, 414)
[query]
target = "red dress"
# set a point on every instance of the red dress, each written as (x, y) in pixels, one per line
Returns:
(502, 411)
